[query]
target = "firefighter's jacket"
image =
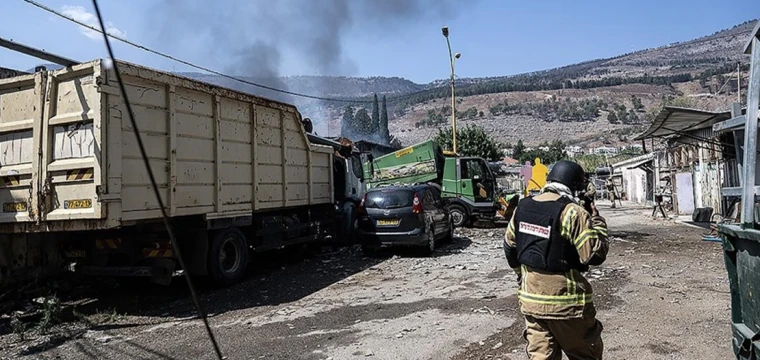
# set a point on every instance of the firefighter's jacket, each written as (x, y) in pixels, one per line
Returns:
(560, 295)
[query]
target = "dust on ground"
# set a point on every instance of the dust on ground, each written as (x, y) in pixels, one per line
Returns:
(662, 293)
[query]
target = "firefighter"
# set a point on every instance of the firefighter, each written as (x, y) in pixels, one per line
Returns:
(549, 243)
(611, 190)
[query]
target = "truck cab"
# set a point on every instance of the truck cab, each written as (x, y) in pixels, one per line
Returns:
(349, 185)
(470, 186)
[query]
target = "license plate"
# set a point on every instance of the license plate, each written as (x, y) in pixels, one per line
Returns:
(77, 204)
(14, 207)
(75, 254)
(387, 222)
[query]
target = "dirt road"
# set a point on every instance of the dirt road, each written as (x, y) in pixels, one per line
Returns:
(662, 294)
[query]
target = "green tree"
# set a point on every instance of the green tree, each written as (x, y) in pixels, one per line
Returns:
(637, 105)
(375, 125)
(363, 123)
(612, 117)
(384, 132)
(518, 150)
(471, 141)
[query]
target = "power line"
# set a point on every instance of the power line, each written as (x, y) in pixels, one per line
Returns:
(208, 70)
(161, 206)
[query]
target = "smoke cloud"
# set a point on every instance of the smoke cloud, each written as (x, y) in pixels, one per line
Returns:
(261, 40)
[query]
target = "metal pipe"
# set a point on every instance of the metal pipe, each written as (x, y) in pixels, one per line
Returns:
(40, 54)
(750, 138)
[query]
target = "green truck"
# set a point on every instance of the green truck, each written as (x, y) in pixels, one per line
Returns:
(467, 183)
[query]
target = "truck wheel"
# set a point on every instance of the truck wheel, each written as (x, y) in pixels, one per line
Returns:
(458, 215)
(228, 258)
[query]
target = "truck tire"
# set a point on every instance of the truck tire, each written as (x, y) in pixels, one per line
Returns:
(459, 216)
(228, 258)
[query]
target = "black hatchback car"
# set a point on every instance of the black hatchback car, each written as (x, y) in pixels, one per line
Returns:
(406, 215)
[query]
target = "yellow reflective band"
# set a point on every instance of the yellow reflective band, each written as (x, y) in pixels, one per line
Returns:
(572, 285)
(524, 272)
(585, 236)
(580, 299)
(602, 232)
(511, 230)
(567, 222)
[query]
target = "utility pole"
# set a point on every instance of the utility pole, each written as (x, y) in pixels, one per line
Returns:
(452, 61)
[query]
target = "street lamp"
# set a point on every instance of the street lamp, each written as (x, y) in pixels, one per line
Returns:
(452, 61)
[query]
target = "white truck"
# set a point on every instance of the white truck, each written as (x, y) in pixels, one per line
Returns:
(236, 172)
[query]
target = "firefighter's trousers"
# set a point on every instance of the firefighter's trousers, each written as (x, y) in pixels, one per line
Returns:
(580, 339)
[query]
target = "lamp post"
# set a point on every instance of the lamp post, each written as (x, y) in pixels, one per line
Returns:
(452, 61)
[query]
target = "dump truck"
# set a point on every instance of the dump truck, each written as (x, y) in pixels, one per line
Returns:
(466, 182)
(236, 172)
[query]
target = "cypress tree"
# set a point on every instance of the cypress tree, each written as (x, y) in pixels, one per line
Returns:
(385, 135)
(375, 125)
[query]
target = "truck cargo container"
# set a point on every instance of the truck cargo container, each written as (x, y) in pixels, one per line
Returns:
(236, 172)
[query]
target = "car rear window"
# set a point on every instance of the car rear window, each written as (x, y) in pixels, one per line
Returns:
(389, 199)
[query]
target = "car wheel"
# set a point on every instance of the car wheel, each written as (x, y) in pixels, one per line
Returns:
(458, 215)
(369, 251)
(450, 234)
(228, 258)
(430, 245)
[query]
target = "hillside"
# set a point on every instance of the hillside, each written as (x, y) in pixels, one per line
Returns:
(572, 103)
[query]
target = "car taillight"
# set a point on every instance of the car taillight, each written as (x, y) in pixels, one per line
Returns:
(361, 211)
(416, 205)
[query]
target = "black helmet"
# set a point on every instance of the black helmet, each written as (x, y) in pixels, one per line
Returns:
(567, 173)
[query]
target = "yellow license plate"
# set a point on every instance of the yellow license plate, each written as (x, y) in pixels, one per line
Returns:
(75, 254)
(77, 204)
(387, 222)
(14, 207)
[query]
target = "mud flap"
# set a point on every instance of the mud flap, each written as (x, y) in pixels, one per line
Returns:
(162, 271)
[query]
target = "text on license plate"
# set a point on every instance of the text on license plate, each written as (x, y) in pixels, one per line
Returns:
(387, 222)
(77, 204)
(76, 254)
(14, 207)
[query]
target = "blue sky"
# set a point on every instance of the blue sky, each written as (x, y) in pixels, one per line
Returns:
(495, 37)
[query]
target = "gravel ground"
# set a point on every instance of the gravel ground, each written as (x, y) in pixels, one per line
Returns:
(662, 294)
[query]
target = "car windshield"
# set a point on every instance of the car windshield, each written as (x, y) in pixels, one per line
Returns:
(389, 199)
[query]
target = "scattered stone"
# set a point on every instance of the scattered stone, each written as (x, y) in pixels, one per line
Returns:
(369, 353)
(497, 346)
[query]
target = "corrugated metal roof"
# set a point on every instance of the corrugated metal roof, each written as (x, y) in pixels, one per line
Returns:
(676, 120)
